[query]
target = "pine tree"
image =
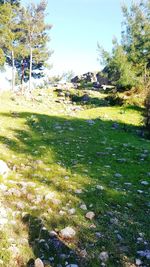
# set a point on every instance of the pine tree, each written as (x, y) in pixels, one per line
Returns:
(35, 30)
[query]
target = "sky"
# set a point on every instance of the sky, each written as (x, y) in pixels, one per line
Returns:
(77, 27)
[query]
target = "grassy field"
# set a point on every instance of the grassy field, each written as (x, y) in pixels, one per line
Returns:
(64, 162)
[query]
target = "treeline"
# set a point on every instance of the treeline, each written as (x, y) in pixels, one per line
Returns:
(128, 65)
(23, 39)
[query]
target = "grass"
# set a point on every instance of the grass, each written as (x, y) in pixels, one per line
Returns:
(53, 149)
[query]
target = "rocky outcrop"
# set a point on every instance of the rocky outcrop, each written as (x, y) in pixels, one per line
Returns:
(97, 79)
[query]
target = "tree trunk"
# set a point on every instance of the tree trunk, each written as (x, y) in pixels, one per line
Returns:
(13, 70)
(30, 74)
(22, 76)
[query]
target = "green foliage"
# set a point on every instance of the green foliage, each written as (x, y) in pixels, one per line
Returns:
(129, 63)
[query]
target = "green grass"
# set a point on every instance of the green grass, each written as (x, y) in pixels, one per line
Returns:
(60, 151)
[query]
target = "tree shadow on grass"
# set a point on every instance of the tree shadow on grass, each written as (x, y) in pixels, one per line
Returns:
(47, 246)
(94, 151)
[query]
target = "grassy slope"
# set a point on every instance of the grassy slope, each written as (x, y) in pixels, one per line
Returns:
(61, 153)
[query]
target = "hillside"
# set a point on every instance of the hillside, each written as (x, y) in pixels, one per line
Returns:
(79, 165)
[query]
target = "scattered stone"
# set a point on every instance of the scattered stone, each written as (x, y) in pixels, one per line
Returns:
(145, 253)
(115, 125)
(52, 234)
(138, 262)
(38, 263)
(98, 234)
(4, 170)
(121, 160)
(90, 215)
(61, 212)
(67, 233)
(78, 191)
(100, 187)
(90, 122)
(118, 175)
(145, 183)
(83, 207)
(114, 221)
(71, 211)
(104, 256)
(83, 253)
(140, 191)
(50, 196)
(92, 226)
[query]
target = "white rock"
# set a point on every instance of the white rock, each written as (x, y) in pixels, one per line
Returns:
(145, 183)
(83, 207)
(90, 215)
(118, 175)
(140, 191)
(138, 262)
(68, 233)
(4, 170)
(78, 191)
(50, 196)
(103, 256)
(3, 187)
(72, 211)
(100, 187)
(38, 263)
(61, 212)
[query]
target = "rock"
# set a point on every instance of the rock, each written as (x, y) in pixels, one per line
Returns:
(138, 262)
(114, 221)
(118, 175)
(72, 265)
(83, 253)
(145, 253)
(38, 263)
(62, 212)
(67, 233)
(145, 183)
(52, 234)
(83, 207)
(140, 191)
(71, 211)
(78, 191)
(90, 215)
(115, 125)
(90, 122)
(4, 170)
(50, 196)
(100, 187)
(85, 98)
(103, 256)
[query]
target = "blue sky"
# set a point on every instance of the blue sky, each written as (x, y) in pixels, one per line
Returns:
(77, 27)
